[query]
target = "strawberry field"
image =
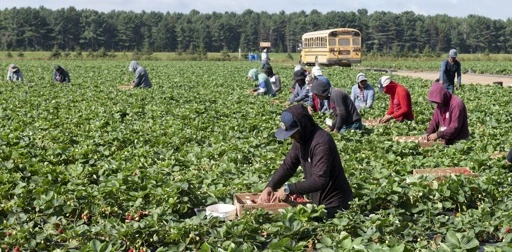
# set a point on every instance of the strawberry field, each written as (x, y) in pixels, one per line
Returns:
(88, 167)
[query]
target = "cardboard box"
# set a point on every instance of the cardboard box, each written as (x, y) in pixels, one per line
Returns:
(498, 154)
(124, 87)
(417, 139)
(372, 122)
(240, 201)
(265, 44)
(440, 172)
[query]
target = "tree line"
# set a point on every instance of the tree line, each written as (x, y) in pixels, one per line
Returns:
(69, 29)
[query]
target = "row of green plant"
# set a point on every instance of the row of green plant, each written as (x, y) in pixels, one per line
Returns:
(88, 167)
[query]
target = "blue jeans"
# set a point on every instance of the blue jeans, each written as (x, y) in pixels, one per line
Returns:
(354, 126)
(449, 87)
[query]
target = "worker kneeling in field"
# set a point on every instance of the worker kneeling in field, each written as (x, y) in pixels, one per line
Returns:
(141, 76)
(14, 73)
(61, 75)
(264, 85)
(362, 93)
(301, 91)
(344, 109)
(400, 103)
(450, 119)
(275, 79)
(316, 152)
(314, 104)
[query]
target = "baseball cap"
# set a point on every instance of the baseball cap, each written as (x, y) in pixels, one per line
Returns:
(320, 87)
(299, 75)
(360, 77)
(452, 53)
(316, 71)
(287, 126)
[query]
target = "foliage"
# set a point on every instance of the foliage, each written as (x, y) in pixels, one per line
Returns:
(383, 32)
(88, 167)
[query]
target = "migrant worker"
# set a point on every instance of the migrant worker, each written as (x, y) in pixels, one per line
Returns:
(345, 112)
(305, 72)
(14, 73)
(141, 76)
(363, 94)
(316, 152)
(61, 75)
(449, 68)
(264, 57)
(450, 119)
(400, 104)
(275, 79)
(314, 104)
(264, 85)
(301, 91)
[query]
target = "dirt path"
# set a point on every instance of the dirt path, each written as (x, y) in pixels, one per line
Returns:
(469, 78)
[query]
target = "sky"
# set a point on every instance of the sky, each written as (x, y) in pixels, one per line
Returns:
(495, 9)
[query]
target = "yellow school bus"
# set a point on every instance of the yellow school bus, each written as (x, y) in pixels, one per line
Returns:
(340, 46)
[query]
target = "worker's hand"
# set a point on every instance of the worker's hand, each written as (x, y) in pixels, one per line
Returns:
(280, 196)
(266, 196)
(328, 129)
(286, 104)
(385, 119)
(311, 110)
(335, 131)
(432, 137)
(424, 137)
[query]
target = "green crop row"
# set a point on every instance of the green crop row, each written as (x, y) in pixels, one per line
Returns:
(88, 167)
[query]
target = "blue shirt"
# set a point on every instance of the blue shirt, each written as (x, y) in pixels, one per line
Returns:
(448, 72)
(363, 99)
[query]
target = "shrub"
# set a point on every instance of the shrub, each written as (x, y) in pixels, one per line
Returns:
(20, 54)
(55, 53)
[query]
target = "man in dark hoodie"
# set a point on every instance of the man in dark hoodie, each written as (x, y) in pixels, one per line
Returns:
(345, 111)
(141, 76)
(61, 75)
(315, 151)
(450, 118)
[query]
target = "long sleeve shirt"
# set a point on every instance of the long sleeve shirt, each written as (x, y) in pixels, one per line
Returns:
(300, 94)
(264, 85)
(14, 76)
(448, 72)
(325, 179)
(363, 98)
(141, 78)
(62, 77)
(400, 103)
(450, 118)
(344, 109)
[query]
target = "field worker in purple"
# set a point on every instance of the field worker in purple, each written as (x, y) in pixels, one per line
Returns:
(450, 119)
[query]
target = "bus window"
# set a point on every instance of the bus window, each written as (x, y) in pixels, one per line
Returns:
(332, 42)
(356, 41)
(343, 42)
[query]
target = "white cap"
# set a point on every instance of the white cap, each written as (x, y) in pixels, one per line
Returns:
(361, 77)
(384, 81)
(316, 71)
(298, 67)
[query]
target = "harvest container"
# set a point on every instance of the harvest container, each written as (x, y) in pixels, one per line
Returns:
(372, 122)
(441, 172)
(241, 201)
(417, 139)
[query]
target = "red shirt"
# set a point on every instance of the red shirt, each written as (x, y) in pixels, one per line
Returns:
(400, 104)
